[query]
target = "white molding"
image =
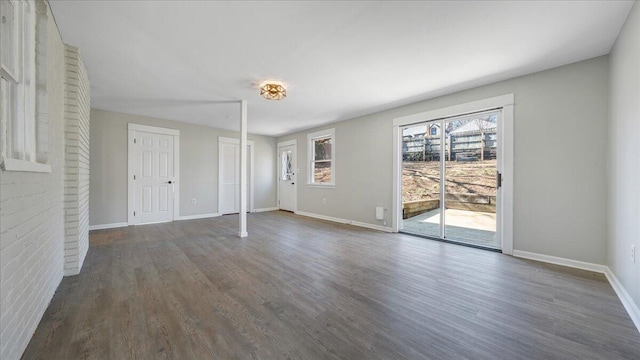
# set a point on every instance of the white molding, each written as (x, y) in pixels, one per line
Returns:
(321, 133)
(198, 216)
(506, 144)
(288, 142)
(131, 130)
(296, 172)
(396, 206)
(155, 222)
(625, 298)
(235, 141)
(131, 203)
(621, 292)
(456, 110)
(24, 166)
(311, 137)
(265, 209)
(345, 221)
(153, 129)
(176, 176)
(560, 261)
(108, 226)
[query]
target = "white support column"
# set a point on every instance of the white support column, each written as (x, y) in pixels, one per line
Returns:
(243, 169)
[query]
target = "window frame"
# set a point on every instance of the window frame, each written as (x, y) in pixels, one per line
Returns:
(18, 150)
(311, 139)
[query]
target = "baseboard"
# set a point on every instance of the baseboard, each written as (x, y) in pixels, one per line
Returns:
(108, 226)
(123, 224)
(560, 261)
(265, 209)
(199, 216)
(625, 298)
(345, 221)
(621, 292)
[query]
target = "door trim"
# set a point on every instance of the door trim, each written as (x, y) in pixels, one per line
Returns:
(293, 142)
(506, 103)
(235, 141)
(131, 129)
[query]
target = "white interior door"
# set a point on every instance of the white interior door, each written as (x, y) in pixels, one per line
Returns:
(229, 177)
(287, 177)
(153, 177)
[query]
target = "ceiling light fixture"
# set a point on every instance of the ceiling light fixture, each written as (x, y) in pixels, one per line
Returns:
(273, 90)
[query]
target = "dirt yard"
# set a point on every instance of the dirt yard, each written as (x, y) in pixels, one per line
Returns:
(322, 173)
(421, 180)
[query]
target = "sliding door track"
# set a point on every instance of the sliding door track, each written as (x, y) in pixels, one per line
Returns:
(452, 242)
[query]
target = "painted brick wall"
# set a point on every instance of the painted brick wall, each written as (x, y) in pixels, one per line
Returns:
(31, 206)
(76, 174)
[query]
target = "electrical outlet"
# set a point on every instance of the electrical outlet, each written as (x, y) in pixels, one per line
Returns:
(633, 253)
(324, 201)
(193, 201)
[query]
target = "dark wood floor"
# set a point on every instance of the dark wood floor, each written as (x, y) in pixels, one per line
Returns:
(298, 288)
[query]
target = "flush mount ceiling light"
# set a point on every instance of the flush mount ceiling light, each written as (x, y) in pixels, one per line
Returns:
(273, 90)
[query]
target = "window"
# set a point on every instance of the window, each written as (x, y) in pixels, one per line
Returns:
(322, 146)
(286, 172)
(434, 131)
(18, 85)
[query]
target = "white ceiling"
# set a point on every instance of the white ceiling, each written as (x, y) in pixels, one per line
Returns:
(182, 60)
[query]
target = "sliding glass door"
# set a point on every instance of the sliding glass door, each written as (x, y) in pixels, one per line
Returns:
(450, 179)
(421, 179)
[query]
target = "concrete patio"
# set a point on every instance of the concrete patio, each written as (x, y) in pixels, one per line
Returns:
(472, 227)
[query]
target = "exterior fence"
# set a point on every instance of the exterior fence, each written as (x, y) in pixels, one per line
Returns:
(469, 146)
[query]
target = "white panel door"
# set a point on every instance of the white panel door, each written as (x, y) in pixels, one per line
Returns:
(153, 177)
(287, 177)
(230, 177)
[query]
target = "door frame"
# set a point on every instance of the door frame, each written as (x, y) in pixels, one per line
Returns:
(505, 102)
(293, 142)
(132, 128)
(227, 140)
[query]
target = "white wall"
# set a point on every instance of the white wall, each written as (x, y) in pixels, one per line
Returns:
(76, 178)
(31, 214)
(198, 166)
(624, 156)
(560, 144)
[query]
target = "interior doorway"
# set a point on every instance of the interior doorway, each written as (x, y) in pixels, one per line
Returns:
(153, 171)
(287, 174)
(454, 174)
(229, 175)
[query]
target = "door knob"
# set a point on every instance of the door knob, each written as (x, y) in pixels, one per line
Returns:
(293, 183)
(169, 182)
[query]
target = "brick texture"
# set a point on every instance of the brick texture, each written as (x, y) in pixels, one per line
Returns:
(76, 173)
(32, 212)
